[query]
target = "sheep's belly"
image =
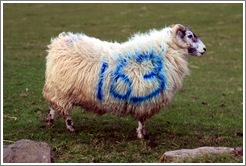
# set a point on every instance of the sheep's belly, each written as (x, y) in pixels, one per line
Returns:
(138, 111)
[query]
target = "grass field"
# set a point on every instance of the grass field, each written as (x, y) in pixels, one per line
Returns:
(208, 111)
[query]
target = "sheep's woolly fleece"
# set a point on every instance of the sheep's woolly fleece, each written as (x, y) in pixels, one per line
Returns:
(137, 77)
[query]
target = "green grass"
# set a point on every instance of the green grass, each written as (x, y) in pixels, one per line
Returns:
(208, 111)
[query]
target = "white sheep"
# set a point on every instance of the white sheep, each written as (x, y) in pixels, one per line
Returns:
(138, 77)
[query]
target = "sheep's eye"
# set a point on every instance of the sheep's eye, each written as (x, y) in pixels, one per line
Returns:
(190, 36)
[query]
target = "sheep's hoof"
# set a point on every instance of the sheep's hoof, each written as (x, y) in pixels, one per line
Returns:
(71, 128)
(142, 133)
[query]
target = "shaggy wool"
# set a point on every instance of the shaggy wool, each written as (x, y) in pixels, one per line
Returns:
(136, 77)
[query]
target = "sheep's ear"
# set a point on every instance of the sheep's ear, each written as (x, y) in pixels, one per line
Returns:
(178, 28)
(178, 32)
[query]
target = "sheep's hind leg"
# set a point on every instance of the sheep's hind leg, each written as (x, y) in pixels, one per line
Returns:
(141, 130)
(50, 117)
(69, 124)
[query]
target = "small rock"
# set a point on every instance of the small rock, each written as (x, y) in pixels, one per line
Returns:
(27, 151)
(172, 156)
(238, 151)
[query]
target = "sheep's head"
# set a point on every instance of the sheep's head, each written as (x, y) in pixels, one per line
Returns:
(186, 39)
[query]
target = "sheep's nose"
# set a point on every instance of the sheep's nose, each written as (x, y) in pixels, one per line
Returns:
(204, 50)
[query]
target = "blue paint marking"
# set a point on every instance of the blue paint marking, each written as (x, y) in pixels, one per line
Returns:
(140, 58)
(119, 78)
(157, 74)
(101, 79)
(119, 95)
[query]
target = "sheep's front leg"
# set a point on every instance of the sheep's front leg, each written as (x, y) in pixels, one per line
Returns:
(50, 117)
(141, 130)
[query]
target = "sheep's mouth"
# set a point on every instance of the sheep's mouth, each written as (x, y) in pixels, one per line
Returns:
(197, 53)
(201, 53)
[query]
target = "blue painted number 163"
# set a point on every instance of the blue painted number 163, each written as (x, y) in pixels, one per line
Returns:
(156, 74)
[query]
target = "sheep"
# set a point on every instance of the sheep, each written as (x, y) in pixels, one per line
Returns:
(138, 77)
